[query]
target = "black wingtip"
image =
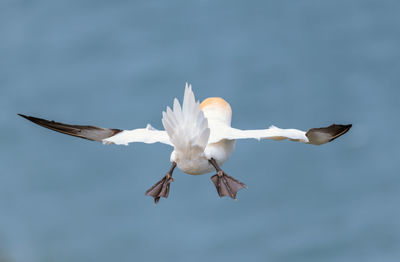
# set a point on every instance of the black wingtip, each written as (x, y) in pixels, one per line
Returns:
(323, 135)
(30, 118)
(93, 133)
(24, 116)
(347, 127)
(343, 129)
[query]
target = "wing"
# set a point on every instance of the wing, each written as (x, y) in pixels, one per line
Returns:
(147, 135)
(315, 136)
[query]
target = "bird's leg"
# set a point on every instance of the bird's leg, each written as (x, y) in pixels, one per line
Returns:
(161, 188)
(225, 185)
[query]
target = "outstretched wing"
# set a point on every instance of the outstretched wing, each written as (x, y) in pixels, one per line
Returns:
(147, 135)
(315, 136)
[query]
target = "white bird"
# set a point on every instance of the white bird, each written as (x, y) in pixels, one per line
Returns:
(201, 136)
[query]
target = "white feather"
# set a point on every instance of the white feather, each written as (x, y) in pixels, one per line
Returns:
(148, 135)
(186, 126)
(274, 133)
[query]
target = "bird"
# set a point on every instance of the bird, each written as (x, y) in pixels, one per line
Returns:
(201, 137)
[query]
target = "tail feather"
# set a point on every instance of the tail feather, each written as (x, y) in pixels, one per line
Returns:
(186, 126)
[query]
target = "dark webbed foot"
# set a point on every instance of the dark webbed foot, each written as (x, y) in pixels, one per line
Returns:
(225, 184)
(161, 188)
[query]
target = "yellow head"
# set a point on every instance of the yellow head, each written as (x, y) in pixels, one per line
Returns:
(217, 108)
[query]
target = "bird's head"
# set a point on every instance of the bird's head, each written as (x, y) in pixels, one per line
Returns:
(217, 108)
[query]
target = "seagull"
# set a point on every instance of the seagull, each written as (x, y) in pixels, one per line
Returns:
(201, 136)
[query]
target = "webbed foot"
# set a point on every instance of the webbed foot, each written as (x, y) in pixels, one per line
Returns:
(161, 188)
(226, 185)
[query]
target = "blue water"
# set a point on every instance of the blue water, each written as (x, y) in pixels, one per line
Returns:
(293, 64)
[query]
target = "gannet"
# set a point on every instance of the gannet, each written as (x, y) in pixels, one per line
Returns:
(201, 136)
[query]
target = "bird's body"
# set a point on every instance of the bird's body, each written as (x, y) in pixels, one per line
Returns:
(198, 164)
(201, 136)
(218, 114)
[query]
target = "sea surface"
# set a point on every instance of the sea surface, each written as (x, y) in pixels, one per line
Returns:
(118, 64)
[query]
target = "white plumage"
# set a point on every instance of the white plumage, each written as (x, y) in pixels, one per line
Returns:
(197, 138)
(201, 135)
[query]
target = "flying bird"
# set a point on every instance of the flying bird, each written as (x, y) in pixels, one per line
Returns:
(201, 136)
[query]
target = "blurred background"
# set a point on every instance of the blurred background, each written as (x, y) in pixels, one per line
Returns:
(118, 64)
